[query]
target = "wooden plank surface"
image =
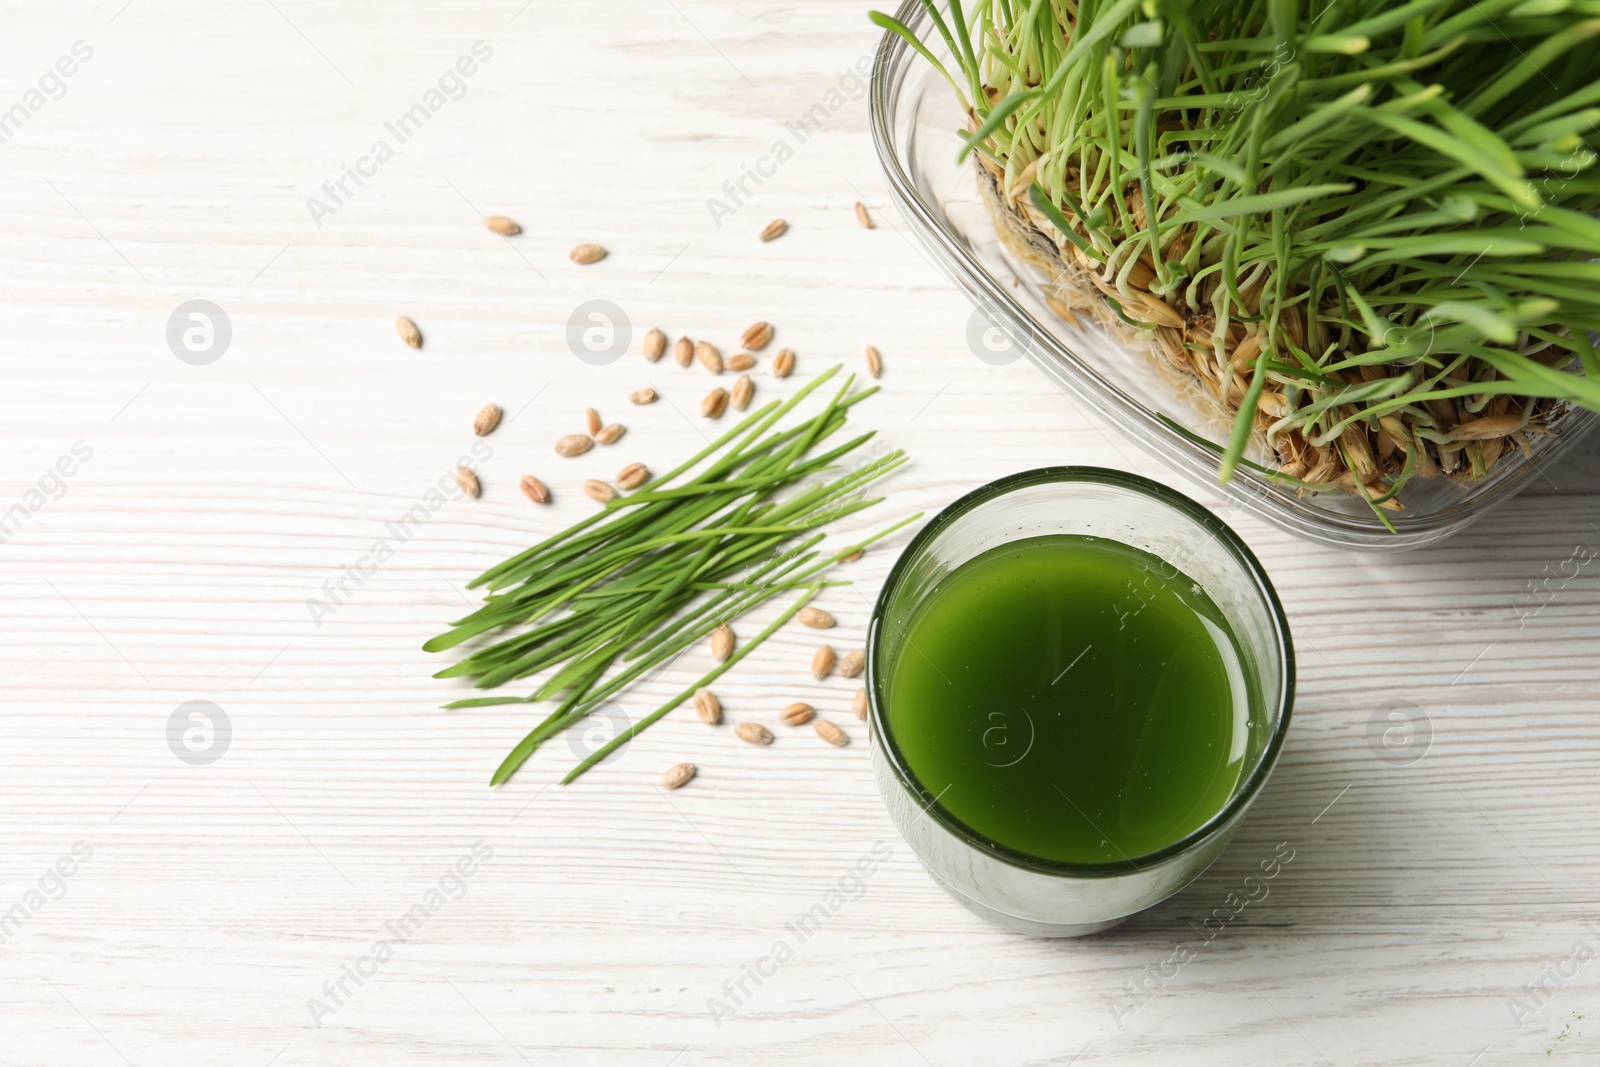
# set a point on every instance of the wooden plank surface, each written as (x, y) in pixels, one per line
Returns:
(207, 906)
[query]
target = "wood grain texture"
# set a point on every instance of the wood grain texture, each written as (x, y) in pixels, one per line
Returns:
(177, 564)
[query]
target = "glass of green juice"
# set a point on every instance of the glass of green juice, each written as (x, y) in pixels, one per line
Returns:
(1078, 680)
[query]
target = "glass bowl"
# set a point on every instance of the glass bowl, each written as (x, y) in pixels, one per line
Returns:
(915, 119)
(1052, 898)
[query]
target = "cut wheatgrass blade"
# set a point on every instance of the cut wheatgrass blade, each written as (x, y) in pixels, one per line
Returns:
(601, 605)
(704, 680)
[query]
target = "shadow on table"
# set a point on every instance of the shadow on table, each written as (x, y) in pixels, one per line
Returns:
(1577, 472)
(1292, 861)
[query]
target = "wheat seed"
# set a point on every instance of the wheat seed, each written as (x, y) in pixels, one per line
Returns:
(774, 230)
(754, 733)
(852, 664)
(408, 331)
(678, 775)
(831, 733)
(598, 491)
(486, 420)
(756, 336)
(743, 389)
(683, 352)
(643, 396)
(797, 714)
(721, 643)
(874, 362)
(609, 435)
(715, 403)
(586, 253)
(709, 357)
(822, 662)
(467, 481)
(862, 216)
(783, 363)
(707, 706)
(574, 444)
(534, 489)
(655, 343)
(633, 476)
(503, 226)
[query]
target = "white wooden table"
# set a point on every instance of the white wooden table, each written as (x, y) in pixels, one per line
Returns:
(228, 913)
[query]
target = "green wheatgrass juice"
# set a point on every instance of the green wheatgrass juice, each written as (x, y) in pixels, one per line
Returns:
(1072, 698)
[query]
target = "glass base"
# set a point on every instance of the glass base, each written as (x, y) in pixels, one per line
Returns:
(1029, 927)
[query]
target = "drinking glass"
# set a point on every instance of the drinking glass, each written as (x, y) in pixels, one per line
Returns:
(1025, 893)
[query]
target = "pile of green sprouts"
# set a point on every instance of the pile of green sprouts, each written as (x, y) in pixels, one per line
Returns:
(617, 596)
(1363, 229)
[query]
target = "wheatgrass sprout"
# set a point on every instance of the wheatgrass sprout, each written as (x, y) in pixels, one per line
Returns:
(617, 595)
(1364, 228)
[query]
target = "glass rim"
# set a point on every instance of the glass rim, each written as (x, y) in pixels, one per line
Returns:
(1221, 532)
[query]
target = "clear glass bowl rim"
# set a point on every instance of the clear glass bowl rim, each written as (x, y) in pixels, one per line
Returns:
(1251, 567)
